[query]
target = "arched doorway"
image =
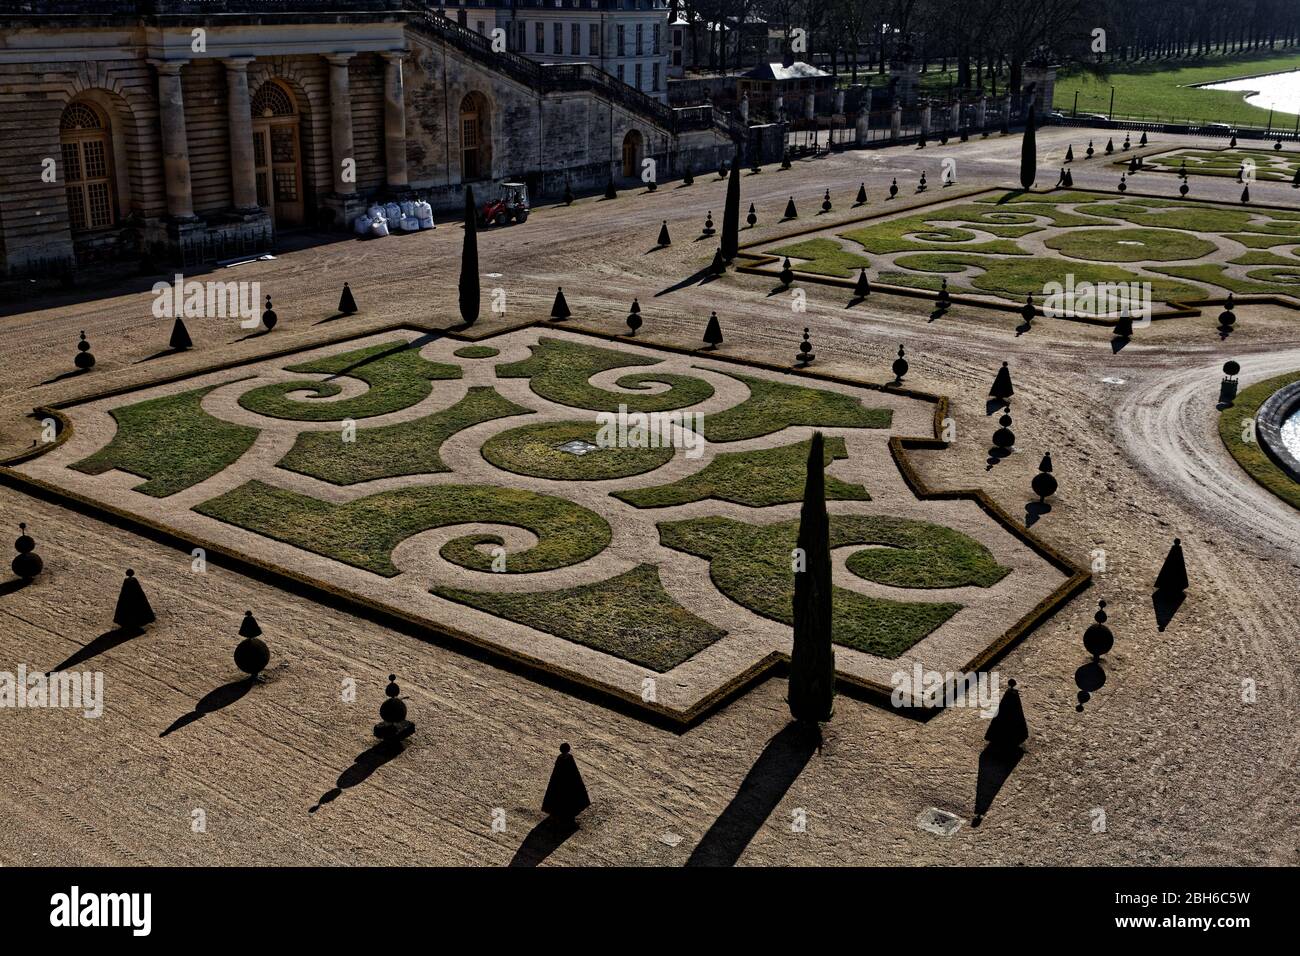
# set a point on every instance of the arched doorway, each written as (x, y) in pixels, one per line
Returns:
(277, 153)
(475, 138)
(632, 148)
(86, 147)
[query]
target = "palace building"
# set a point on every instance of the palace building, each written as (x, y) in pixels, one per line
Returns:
(188, 130)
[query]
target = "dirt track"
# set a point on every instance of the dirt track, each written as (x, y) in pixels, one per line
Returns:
(1184, 771)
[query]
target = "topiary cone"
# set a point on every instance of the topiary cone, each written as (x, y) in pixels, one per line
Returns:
(180, 340)
(347, 304)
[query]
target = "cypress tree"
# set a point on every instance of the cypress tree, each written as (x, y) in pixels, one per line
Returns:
(731, 214)
(469, 290)
(812, 658)
(1029, 151)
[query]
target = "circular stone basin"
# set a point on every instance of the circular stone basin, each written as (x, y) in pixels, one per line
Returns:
(1130, 245)
(1277, 428)
(568, 451)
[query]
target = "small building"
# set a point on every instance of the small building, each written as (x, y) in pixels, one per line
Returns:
(768, 82)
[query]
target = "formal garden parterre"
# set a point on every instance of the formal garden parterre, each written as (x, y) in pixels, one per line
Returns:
(999, 247)
(467, 487)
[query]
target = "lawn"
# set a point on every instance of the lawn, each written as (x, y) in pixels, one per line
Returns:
(534, 450)
(1163, 90)
(772, 406)
(406, 448)
(630, 616)
(756, 479)
(560, 371)
(396, 373)
(171, 441)
(1250, 455)
(364, 532)
(751, 565)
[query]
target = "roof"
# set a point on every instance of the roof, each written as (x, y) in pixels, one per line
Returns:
(777, 71)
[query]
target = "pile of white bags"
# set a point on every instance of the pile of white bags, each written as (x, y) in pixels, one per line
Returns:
(408, 216)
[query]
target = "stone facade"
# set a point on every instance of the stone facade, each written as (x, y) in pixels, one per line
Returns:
(174, 138)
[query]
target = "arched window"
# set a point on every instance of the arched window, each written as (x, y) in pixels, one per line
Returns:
(475, 138)
(87, 167)
(271, 99)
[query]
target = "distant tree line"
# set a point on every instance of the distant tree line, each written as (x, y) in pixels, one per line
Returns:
(985, 41)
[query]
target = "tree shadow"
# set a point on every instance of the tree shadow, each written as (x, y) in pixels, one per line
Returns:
(66, 375)
(996, 455)
(252, 335)
(993, 404)
(12, 586)
(1089, 678)
(367, 762)
(1118, 343)
(335, 316)
(1024, 327)
(163, 354)
(102, 644)
(223, 696)
(696, 278)
(1166, 605)
(938, 313)
(1035, 510)
(994, 768)
(767, 782)
(543, 840)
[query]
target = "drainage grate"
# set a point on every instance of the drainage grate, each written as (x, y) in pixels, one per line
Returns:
(939, 821)
(577, 446)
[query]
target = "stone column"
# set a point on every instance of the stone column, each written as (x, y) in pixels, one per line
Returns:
(395, 120)
(175, 145)
(981, 111)
(243, 183)
(925, 120)
(810, 106)
(341, 122)
(896, 122)
(839, 101)
(743, 108)
(864, 124)
(1006, 111)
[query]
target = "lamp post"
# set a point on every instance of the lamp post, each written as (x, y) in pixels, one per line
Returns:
(1075, 112)
(1111, 118)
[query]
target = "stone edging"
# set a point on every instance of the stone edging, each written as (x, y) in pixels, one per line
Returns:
(679, 720)
(1277, 408)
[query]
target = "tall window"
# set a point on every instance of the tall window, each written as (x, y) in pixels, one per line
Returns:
(621, 74)
(539, 37)
(640, 29)
(620, 49)
(593, 40)
(557, 31)
(638, 76)
(658, 38)
(576, 36)
(87, 173)
(654, 73)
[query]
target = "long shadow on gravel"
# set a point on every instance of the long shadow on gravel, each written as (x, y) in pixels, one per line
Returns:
(767, 782)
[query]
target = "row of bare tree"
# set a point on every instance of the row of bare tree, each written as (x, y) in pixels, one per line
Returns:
(984, 39)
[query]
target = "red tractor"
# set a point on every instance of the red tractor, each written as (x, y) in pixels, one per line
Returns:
(511, 203)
